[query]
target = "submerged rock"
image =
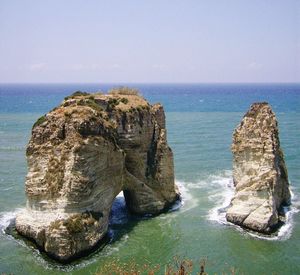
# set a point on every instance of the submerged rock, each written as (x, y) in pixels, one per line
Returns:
(259, 172)
(81, 155)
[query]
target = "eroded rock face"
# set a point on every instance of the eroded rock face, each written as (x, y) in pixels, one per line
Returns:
(259, 172)
(80, 156)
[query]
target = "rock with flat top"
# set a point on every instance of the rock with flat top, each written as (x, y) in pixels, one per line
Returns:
(81, 155)
(259, 172)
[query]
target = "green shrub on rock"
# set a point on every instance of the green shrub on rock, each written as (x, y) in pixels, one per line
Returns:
(39, 121)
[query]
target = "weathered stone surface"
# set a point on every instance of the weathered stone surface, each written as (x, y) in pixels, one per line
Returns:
(259, 172)
(80, 156)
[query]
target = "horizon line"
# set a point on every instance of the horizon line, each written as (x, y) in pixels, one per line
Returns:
(149, 83)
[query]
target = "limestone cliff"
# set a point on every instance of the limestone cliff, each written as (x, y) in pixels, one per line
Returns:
(80, 156)
(259, 172)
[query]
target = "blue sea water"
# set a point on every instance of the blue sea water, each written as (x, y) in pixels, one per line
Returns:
(200, 122)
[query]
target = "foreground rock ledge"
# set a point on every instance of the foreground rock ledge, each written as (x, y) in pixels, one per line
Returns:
(259, 172)
(81, 156)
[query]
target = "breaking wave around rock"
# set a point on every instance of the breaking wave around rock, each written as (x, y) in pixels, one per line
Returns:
(222, 195)
(119, 216)
(217, 188)
(7, 218)
(286, 229)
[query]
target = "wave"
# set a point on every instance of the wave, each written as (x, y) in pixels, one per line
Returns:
(285, 231)
(222, 196)
(223, 191)
(7, 218)
(12, 148)
(188, 201)
(218, 190)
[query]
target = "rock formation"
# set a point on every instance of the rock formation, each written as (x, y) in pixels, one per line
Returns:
(81, 155)
(259, 173)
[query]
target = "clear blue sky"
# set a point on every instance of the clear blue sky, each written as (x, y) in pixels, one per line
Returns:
(150, 41)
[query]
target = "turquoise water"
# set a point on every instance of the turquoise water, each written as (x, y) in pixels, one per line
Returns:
(200, 121)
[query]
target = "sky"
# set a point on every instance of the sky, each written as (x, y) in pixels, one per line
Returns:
(150, 41)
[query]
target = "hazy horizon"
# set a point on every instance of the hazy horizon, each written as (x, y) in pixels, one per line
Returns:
(132, 42)
(153, 83)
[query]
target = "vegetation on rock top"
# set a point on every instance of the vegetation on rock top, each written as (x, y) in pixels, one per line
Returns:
(76, 94)
(39, 121)
(124, 91)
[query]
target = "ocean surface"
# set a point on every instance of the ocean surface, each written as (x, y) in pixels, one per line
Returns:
(200, 122)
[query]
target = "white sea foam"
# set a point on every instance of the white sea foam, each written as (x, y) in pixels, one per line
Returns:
(6, 218)
(188, 201)
(222, 195)
(285, 230)
(212, 184)
(120, 195)
(219, 189)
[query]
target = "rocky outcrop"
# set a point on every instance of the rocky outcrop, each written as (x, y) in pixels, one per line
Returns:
(259, 172)
(81, 155)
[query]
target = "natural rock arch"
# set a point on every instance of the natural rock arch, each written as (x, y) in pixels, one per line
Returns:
(81, 155)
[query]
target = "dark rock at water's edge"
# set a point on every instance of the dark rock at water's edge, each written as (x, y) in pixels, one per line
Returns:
(259, 172)
(81, 155)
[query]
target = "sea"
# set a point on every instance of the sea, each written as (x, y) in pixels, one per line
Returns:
(200, 121)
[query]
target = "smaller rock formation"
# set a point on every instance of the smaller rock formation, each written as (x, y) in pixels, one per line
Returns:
(81, 155)
(259, 172)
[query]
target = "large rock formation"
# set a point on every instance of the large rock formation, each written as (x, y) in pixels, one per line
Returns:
(259, 172)
(80, 156)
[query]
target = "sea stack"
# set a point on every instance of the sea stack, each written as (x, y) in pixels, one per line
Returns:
(259, 173)
(81, 155)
